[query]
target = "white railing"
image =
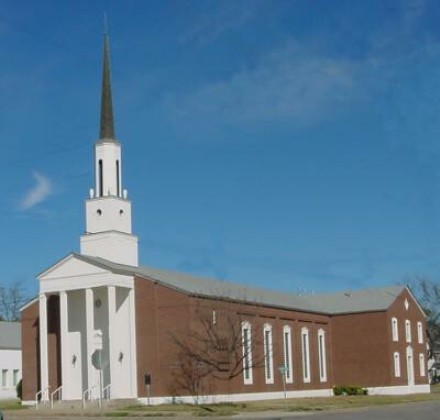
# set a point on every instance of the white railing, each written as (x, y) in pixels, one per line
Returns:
(87, 395)
(53, 394)
(44, 394)
(107, 392)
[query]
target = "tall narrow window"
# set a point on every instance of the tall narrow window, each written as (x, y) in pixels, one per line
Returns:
(420, 332)
(394, 329)
(305, 354)
(101, 178)
(322, 356)
(246, 337)
(408, 331)
(118, 180)
(287, 336)
(15, 377)
(422, 364)
(268, 353)
(397, 364)
(4, 378)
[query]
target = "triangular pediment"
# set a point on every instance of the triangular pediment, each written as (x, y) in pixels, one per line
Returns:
(71, 266)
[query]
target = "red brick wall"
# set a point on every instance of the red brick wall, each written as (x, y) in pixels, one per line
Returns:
(30, 351)
(360, 349)
(162, 313)
(31, 347)
(363, 348)
(414, 315)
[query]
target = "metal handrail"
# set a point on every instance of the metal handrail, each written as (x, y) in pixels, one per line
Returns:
(106, 392)
(57, 391)
(41, 393)
(87, 393)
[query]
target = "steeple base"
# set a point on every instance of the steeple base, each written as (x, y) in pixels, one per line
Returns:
(118, 247)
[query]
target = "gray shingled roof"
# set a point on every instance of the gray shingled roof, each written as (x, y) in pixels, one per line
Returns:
(336, 303)
(367, 300)
(10, 335)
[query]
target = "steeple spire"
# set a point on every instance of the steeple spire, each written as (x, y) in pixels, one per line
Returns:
(107, 131)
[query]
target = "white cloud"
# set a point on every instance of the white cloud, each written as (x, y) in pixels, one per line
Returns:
(38, 193)
(290, 84)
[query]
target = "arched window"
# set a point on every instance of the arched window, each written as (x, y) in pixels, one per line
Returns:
(322, 356)
(408, 331)
(396, 364)
(268, 353)
(422, 364)
(394, 329)
(287, 344)
(420, 332)
(305, 346)
(246, 339)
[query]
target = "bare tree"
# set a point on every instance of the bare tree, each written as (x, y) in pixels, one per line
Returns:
(427, 292)
(214, 347)
(11, 299)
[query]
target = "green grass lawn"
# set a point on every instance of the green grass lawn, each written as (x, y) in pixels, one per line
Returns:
(229, 409)
(294, 404)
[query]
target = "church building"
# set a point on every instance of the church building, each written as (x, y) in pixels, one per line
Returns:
(104, 326)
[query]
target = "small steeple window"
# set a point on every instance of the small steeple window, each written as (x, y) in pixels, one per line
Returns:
(100, 180)
(118, 180)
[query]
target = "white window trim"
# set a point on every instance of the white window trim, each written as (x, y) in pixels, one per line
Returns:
(322, 356)
(268, 354)
(247, 352)
(287, 344)
(408, 330)
(422, 365)
(396, 359)
(419, 332)
(395, 328)
(305, 351)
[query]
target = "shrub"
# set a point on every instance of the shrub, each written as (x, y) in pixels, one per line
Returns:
(349, 390)
(19, 389)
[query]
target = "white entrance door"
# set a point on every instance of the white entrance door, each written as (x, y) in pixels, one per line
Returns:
(410, 365)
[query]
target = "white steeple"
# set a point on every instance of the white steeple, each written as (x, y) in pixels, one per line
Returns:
(108, 212)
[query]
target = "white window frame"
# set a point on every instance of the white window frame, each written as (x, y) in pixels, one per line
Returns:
(247, 352)
(408, 330)
(396, 358)
(268, 353)
(287, 349)
(322, 355)
(419, 332)
(422, 365)
(395, 328)
(305, 352)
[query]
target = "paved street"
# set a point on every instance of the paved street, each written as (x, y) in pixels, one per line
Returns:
(415, 411)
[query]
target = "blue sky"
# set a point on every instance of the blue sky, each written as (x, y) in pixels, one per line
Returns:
(285, 144)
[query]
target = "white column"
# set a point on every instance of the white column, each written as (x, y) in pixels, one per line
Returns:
(133, 358)
(90, 328)
(64, 344)
(112, 337)
(44, 368)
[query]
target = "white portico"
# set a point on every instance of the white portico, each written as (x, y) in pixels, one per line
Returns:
(96, 305)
